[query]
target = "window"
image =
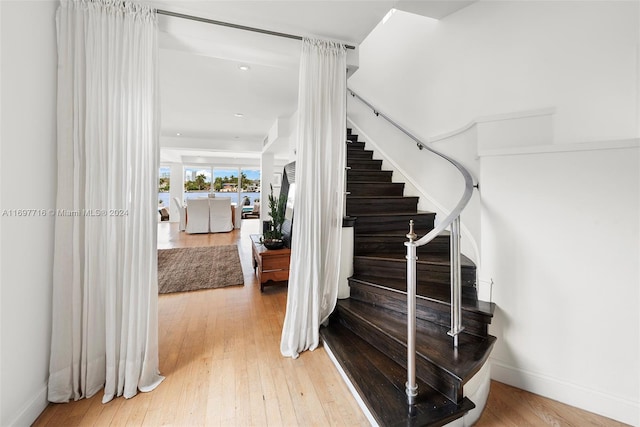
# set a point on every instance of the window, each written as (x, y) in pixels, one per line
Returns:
(164, 185)
(197, 181)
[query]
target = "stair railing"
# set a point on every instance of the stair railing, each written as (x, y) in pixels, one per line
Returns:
(452, 220)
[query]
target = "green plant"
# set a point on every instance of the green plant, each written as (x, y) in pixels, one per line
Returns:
(277, 208)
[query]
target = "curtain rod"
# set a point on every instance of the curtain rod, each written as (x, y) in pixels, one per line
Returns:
(227, 24)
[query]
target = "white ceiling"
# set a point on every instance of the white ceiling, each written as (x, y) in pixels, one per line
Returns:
(202, 87)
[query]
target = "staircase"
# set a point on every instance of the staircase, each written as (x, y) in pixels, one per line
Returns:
(367, 332)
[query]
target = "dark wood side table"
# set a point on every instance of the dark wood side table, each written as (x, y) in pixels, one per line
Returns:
(269, 264)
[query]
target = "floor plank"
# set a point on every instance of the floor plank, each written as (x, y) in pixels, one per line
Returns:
(512, 407)
(219, 351)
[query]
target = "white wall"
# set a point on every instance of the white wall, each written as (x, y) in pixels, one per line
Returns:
(28, 158)
(176, 190)
(561, 241)
(497, 57)
(557, 217)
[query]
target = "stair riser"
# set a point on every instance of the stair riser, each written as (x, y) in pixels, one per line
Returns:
(359, 154)
(376, 189)
(377, 224)
(360, 206)
(353, 145)
(428, 310)
(438, 378)
(352, 137)
(368, 164)
(366, 245)
(427, 274)
(368, 175)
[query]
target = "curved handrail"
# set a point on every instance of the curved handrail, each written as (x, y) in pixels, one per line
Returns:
(468, 180)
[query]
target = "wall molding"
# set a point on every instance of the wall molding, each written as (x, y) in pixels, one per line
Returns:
(420, 189)
(604, 404)
(618, 144)
(32, 410)
(494, 118)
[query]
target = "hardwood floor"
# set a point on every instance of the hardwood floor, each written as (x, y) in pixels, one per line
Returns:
(219, 351)
(510, 406)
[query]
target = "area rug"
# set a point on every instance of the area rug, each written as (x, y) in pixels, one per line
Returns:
(190, 269)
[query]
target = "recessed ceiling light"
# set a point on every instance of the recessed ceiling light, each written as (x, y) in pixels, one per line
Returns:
(244, 67)
(239, 115)
(178, 134)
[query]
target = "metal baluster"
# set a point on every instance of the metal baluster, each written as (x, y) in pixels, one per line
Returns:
(411, 386)
(456, 291)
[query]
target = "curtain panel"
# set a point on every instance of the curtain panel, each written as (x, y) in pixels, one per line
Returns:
(319, 195)
(104, 324)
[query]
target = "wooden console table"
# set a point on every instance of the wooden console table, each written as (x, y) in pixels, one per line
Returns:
(269, 264)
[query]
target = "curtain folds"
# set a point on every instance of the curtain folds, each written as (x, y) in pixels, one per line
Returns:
(317, 228)
(104, 319)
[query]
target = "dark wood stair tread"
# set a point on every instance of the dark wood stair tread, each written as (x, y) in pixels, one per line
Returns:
(396, 234)
(381, 197)
(432, 342)
(427, 258)
(371, 221)
(358, 151)
(354, 143)
(370, 175)
(360, 188)
(398, 237)
(469, 305)
(373, 183)
(408, 215)
(380, 382)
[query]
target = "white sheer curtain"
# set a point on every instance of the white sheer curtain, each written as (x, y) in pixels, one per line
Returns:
(317, 228)
(104, 325)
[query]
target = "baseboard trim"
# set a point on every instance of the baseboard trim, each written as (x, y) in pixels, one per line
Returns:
(614, 407)
(32, 410)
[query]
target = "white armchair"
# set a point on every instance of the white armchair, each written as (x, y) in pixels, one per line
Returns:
(220, 215)
(197, 216)
(181, 211)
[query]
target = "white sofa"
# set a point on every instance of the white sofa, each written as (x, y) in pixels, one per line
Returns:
(209, 215)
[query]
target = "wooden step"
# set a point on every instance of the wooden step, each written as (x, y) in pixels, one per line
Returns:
(432, 270)
(354, 145)
(369, 175)
(372, 164)
(352, 137)
(358, 188)
(380, 382)
(389, 204)
(359, 154)
(374, 222)
(438, 363)
(431, 306)
(386, 242)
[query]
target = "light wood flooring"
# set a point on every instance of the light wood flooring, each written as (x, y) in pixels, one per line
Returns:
(219, 351)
